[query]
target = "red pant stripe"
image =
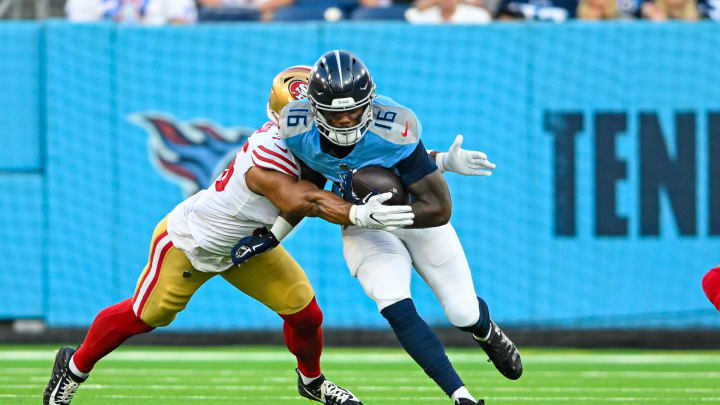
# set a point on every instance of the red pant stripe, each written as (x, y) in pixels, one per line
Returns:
(151, 277)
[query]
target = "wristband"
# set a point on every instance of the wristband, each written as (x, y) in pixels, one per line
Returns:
(352, 213)
(440, 161)
(281, 228)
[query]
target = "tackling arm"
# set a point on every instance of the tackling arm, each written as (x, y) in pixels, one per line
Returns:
(286, 221)
(297, 199)
(301, 198)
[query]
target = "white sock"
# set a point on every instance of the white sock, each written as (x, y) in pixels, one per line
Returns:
(307, 380)
(461, 392)
(73, 369)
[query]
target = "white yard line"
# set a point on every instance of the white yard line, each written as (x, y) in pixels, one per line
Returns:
(389, 388)
(375, 358)
(470, 376)
(590, 399)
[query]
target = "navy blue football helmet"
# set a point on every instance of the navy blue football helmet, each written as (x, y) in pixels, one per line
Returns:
(339, 81)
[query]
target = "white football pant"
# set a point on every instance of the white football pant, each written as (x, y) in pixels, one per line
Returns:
(382, 262)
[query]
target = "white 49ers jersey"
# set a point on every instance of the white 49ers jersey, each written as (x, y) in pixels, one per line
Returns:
(207, 225)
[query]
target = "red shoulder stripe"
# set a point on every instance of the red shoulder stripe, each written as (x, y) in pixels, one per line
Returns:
(279, 156)
(272, 162)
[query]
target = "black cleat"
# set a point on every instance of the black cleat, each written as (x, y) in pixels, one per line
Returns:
(63, 384)
(502, 352)
(466, 401)
(323, 390)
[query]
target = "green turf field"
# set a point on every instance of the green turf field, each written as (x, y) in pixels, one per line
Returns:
(264, 375)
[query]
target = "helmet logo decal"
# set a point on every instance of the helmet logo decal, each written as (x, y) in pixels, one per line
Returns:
(298, 89)
(343, 102)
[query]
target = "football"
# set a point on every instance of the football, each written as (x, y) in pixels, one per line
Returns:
(380, 180)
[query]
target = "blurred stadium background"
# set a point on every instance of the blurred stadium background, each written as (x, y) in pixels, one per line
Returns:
(594, 231)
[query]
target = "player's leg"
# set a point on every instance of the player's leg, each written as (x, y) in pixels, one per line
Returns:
(381, 263)
(276, 280)
(161, 293)
(711, 286)
(440, 260)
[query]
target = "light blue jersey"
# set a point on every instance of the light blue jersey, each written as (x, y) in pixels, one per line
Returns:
(393, 135)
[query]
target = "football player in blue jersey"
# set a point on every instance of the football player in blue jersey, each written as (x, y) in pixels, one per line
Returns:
(344, 126)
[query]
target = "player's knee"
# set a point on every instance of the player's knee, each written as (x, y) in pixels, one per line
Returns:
(297, 297)
(400, 313)
(385, 300)
(388, 293)
(158, 319)
(165, 311)
(461, 311)
(310, 317)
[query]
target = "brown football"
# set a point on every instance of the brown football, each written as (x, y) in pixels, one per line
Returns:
(379, 180)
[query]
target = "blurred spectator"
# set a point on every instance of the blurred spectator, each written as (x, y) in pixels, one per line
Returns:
(152, 12)
(374, 3)
(542, 10)
(710, 9)
(597, 10)
(447, 11)
(662, 10)
(265, 7)
(425, 4)
(608, 9)
(383, 3)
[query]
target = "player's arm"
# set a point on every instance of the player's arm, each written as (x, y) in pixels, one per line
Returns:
(286, 221)
(432, 205)
(301, 198)
(298, 199)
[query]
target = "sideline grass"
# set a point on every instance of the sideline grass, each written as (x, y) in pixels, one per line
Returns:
(264, 375)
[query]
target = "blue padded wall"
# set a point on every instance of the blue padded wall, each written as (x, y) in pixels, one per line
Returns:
(22, 227)
(81, 171)
(510, 89)
(20, 96)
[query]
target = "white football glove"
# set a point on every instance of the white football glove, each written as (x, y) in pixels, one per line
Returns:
(373, 214)
(467, 162)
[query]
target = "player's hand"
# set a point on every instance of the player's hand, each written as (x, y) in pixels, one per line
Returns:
(250, 246)
(467, 162)
(373, 214)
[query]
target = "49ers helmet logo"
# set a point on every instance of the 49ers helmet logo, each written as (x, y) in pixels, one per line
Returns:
(298, 89)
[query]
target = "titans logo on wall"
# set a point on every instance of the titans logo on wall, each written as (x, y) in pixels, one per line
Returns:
(191, 154)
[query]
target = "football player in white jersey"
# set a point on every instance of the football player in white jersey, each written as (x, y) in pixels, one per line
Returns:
(344, 126)
(194, 243)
